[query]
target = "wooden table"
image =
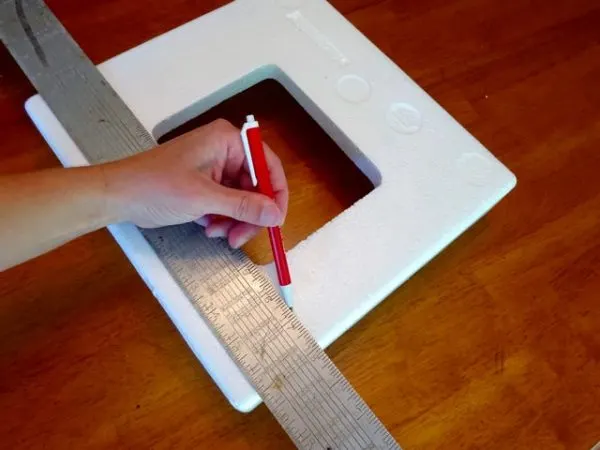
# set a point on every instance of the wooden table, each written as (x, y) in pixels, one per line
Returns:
(495, 344)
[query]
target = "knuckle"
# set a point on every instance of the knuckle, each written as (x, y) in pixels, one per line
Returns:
(223, 130)
(243, 207)
(222, 124)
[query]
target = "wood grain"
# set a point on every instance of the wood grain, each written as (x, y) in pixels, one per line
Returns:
(494, 344)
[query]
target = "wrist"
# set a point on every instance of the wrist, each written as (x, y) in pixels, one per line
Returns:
(113, 210)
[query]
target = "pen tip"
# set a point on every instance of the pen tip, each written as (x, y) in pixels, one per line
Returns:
(287, 294)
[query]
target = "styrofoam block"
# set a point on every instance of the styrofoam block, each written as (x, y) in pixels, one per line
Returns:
(433, 179)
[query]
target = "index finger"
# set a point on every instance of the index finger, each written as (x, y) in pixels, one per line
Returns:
(235, 162)
(278, 179)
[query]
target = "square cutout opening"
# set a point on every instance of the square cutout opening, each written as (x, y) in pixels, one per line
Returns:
(323, 180)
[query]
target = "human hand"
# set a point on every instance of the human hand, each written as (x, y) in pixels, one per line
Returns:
(201, 176)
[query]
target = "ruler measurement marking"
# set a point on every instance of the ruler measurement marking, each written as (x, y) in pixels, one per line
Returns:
(287, 386)
(332, 413)
(289, 374)
(314, 429)
(332, 419)
(320, 389)
(283, 358)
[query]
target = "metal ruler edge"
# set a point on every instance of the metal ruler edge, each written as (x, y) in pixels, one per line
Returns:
(306, 393)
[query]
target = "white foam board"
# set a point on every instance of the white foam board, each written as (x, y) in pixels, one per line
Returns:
(433, 178)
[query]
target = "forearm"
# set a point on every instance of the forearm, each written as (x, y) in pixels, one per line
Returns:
(42, 210)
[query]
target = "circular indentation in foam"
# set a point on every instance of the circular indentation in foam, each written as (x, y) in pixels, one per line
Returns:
(290, 3)
(353, 88)
(404, 118)
(475, 167)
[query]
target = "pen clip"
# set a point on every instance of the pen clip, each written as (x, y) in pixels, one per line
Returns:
(250, 123)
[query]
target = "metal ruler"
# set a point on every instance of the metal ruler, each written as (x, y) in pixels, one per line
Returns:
(306, 393)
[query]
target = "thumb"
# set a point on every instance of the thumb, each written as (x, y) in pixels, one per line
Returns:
(245, 206)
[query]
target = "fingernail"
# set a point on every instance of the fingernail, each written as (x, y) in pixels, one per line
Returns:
(202, 221)
(217, 232)
(237, 243)
(270, 216)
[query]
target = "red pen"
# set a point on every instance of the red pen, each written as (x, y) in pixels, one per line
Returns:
(261, 178)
